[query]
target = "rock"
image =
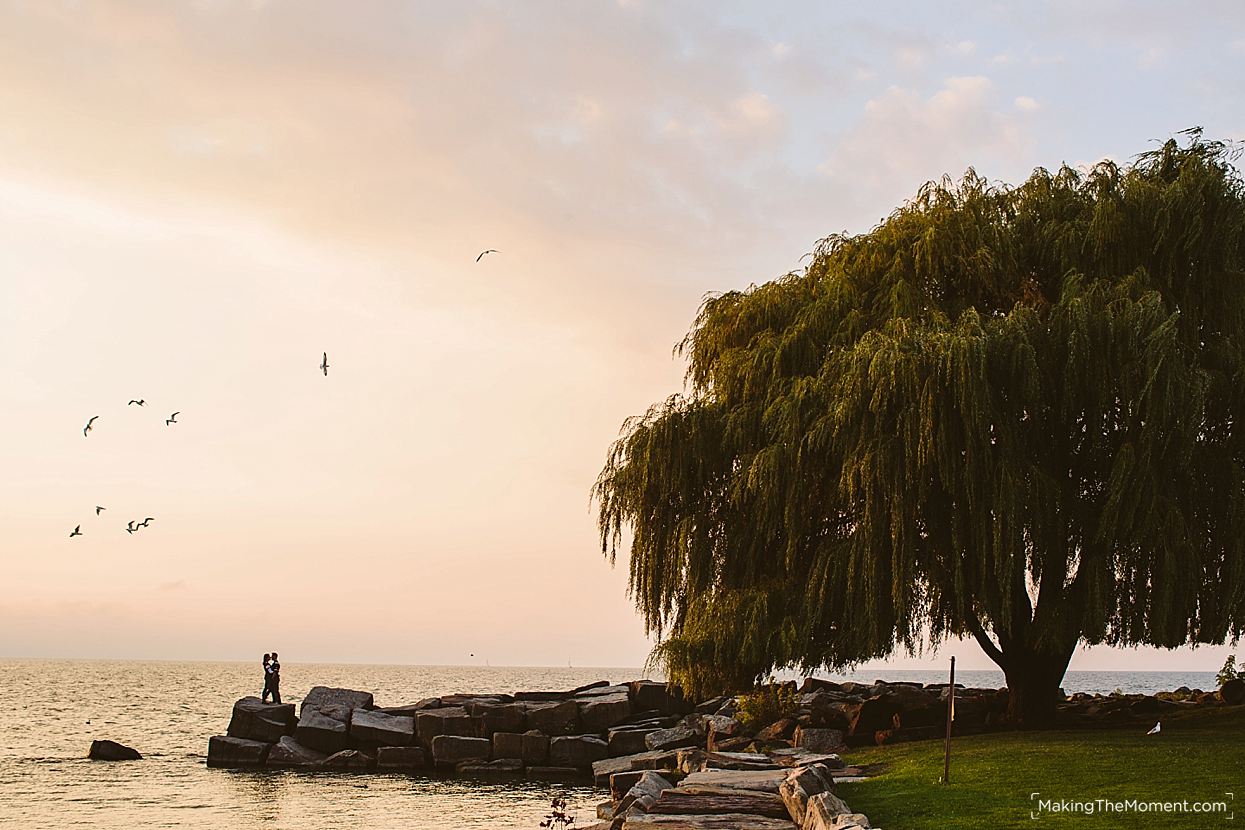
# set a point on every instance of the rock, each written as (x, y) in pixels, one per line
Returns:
(719, 729)
(532, 748)
(401, 757)
(819, 740)
(603, 769)
(1233, 692)
(452, 720)
(258, 721)
(290, 753)
(673, 738)
(410, 710)
(649, 694)
(711, 707)
(643, 794)
(605, 810)
(803, 758)
(601, 689)
(822, 811)
(816, 684)
(800, 785)
(723, 821)
(600, 712)
(621, 782)
(448, 750)
(112, 751)
(737, 760)
(628, 740)
(497, 717)
(325, 731)
(499, 768)
(323, 697)
(579, 751)
(764, 780)
(689, 759)
(554, 718)
(693, 800)
(737, 744)
(349, 759)
(778, 731)
(379, 729)
(227, 752)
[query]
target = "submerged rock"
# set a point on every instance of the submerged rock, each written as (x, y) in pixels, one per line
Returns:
(112, 751)
(290, 753)
(225, 751)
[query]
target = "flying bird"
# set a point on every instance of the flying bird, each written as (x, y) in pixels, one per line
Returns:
(139, 402)
(172, 419)
(146, 521)
(1158, 727)
(88, 426)
(77, 531)
(99, 509)
(489, 251)
(129, 526)
(324, 364)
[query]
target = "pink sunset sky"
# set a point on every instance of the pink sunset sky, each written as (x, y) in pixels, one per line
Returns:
(198, 198)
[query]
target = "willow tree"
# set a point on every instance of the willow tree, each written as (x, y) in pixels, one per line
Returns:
(1011, 413)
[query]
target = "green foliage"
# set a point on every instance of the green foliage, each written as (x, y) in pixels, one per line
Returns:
(1197, 758)
(1016, 413)
(1229, 671)
(766, 704)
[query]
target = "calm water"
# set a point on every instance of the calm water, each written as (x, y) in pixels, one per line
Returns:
(169, 710)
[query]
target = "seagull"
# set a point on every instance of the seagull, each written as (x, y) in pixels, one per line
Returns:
(324, 364)
(1158, 727)
(88, 427)
(99, 509)
(489, 251)
(77, 531)
(139, 402)
(146, 521)
(172, 419)
(129, 526)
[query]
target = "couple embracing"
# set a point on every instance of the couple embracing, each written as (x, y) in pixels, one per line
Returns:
(272, 678)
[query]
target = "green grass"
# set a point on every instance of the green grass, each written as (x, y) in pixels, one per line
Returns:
(1198, 756)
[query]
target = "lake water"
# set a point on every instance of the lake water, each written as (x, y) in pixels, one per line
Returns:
(51, 710)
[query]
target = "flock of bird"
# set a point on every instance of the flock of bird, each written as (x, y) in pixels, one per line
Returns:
(134, 524)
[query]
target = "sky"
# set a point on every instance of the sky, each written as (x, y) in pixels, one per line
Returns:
(198, 198)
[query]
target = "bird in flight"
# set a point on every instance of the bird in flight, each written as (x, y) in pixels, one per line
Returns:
(140, 402)
(88, 426)
(77, 531)
(146, 521)
(324, 364)
(99, 509)
(129, 526)
(172, 419)
(489, 251)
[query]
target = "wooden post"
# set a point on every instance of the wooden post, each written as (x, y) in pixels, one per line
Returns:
(946, 747)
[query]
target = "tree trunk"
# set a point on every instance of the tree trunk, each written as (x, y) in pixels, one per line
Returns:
(1033, 685)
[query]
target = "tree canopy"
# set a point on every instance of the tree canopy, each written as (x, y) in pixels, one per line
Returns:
(1014, 413)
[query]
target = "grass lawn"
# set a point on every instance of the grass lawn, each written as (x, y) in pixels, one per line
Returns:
(1198, 757)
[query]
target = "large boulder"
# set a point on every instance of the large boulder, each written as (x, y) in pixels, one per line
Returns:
(642, 795)
(492, 717)
(400, 758)
(1233, 692)
(721, 728)
(801, 784)
(449, 750)
(411, 709)
(825, 811)
(290, 753)
(322, 697)
(324, 730)
(579, 751)
(692, 801)
(819, 740)
(227, 752)
(373, 728)
(554, 717)
(112, 751)
(629, 740)
(258, 721)
(532, 748)
(674, 738)
(666, 699)
(598, 713)
(452, 720)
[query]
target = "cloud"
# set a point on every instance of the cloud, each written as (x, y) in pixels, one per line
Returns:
(1024, 102)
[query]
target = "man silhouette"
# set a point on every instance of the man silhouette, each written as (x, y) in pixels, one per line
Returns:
(274, 678)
